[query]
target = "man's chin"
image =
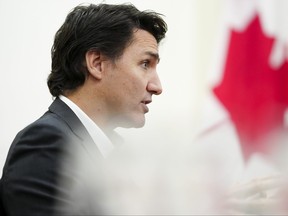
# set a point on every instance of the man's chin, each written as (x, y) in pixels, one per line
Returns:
(132, 123)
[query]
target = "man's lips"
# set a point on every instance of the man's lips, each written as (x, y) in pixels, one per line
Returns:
(145, 102)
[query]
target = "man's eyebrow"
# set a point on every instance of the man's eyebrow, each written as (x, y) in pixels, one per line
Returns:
(153, 55)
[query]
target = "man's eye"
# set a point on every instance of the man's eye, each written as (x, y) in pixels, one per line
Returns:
(145, 64)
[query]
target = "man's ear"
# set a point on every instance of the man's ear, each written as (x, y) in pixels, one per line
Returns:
(94, 63)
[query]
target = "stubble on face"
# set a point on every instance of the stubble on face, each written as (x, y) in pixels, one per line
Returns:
(127, 79)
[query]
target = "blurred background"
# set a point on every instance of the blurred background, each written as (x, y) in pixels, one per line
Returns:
(224, 75)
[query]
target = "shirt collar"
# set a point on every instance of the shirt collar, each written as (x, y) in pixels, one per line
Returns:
(103, 143)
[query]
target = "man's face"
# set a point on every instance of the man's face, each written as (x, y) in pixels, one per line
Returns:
(132, 81)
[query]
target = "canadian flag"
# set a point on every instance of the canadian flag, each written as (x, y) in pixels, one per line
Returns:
(244, 114)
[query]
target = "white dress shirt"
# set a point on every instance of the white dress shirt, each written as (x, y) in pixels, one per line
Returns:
(103, 143)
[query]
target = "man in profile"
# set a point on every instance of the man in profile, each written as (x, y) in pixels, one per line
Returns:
(103, 76)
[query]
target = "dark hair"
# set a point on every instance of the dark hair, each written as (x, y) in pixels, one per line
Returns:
(105, 28)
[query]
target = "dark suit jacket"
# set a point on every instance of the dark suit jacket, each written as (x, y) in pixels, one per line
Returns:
(42, 169)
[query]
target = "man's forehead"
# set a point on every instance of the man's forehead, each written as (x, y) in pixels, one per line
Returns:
(153, 54)
(146, 42)
(144, 37)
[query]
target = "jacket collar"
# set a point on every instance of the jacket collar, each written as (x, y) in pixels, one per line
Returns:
(64, 112)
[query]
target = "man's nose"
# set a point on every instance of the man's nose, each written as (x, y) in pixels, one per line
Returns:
(154, 85)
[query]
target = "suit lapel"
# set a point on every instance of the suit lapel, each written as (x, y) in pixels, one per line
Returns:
(64, 112)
